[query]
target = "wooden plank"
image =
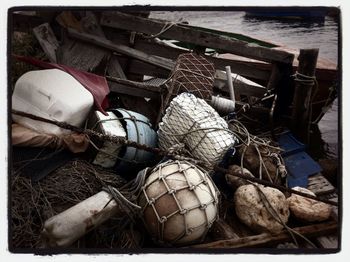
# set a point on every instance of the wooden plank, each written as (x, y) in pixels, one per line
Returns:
(114, 68)
(194, 36)
(239, 86)
(133, 88)
(330, 241)
(265, 239)
(221, 230)
(77, 54)
(246, 69)
(107, 44)
(47, 40)
(243, 68)
(275, 77)
(320, 185)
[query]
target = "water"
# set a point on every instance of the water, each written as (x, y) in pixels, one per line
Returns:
(295, 34)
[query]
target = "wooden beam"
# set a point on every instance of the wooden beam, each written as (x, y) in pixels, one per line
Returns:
(114, 68)
(302, 94)
(194, 36)
(156, 60)
(152, 47)
(265, 239)
(122, 49)
(133, 88)
(239, 86)
(221, 230)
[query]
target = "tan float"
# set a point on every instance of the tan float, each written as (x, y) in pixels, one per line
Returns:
(308, 209)
(252, 211)
(180, 203)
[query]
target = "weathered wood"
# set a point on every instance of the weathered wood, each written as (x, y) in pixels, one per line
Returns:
(161, 62)
(320, 185)
(133, 88)
(302, 93)
(330, 241)
(77, 54)
(244, 68)
(194, 36)
(239, 86)
(114, 68)
(104, 43)
(269, 239)
(47, 40)
(221, 230)
(275, 77)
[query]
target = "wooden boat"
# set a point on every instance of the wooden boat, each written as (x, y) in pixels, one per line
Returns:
(136, 48)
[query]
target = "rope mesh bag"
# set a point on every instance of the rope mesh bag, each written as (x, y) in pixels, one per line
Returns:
(193, 122)
(179, 203)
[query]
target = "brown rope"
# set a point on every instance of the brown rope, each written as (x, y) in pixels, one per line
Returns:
(164, 153)
(92, 133)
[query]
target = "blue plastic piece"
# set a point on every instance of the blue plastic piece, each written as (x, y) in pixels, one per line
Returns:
(290, 144)
(138, 129)
(298, 163)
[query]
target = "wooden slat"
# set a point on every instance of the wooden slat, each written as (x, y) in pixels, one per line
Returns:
(133, 88)
(221, 230)
(47, 40)
(114, 68)
(330, 241)
(244, 68)
(320, 185)
(194, 36)
(269, 239)
(104, 43)
(77, 54)
(239, 86)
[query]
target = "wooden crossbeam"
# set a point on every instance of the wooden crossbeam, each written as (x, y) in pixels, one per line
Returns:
(194, 36)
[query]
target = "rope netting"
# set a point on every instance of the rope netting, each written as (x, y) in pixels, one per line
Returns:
(193, 74)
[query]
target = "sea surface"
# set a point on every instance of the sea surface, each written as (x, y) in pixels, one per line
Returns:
(291, 33)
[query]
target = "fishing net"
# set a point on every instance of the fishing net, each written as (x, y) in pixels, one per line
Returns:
(34, 202)
(192, 74)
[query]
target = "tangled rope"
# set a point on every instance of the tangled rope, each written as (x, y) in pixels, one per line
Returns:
(165, 28)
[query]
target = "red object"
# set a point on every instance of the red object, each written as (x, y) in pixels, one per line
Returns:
(95, 84)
